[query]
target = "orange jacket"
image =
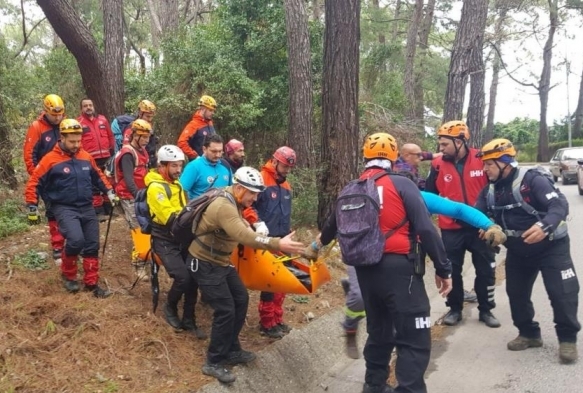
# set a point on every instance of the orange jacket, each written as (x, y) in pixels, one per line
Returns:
(40, 139)
(192, 137)
(65, 179)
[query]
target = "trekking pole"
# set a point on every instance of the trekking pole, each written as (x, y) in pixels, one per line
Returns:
(106, 233)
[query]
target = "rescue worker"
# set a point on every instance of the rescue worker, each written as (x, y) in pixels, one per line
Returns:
(131, 167)
(121, 127)
(41, 137)
(207, 170)
(165, 199)
(219, 231)
(396, 304)
(234, 156)
(98, 141)
(458, 175)
(64, 177)
(271, 215)
(537, 242)
(192, 138)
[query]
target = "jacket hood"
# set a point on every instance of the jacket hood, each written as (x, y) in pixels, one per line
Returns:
(152, 176)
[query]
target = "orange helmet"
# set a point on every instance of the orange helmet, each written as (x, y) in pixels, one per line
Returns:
(497, 148)
(285, 155)
(454, 129)
(53, 105)
(380, 145)
(141, 127)
(147, 106)
(70, 126)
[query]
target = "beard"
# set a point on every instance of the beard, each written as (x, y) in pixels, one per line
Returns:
(448, 158)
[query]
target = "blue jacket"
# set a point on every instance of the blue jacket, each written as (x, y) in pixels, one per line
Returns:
(200, 174)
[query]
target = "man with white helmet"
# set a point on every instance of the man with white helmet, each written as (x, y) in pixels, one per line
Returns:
(165, 199)
(220, 229)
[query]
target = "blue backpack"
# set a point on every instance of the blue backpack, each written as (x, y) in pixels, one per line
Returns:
(357, 221)
(118, 126)
(142, 210)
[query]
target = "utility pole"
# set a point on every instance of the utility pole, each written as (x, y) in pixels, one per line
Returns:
(568, 68)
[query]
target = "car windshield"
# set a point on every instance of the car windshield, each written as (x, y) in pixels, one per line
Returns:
(575, 154)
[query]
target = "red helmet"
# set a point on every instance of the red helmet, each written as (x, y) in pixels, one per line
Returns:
(285, 155)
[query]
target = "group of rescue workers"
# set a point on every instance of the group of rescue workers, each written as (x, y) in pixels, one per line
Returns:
(81, 168)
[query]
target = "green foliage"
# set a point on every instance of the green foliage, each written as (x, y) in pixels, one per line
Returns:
(521, 131)
(12, 219)
(60, 75)
(305, 201)
(32, 260)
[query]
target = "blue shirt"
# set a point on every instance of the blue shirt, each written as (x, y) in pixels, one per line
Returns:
(459, 211)
(200, 174)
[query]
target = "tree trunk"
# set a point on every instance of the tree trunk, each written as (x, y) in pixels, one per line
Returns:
(340, 134)
(377, 7)
(410, 68)
(545, 83)
(100, 77)
(300, 82)
(395, 32)
(164, 19)
(577, 131)
(423, 45)
(7, 173)
(465, 61)
(496, 64)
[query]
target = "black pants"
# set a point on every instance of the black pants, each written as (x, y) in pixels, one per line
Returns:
(456, 243)
(561, 284)
(225, 293)
(174, 263)
(397, 315)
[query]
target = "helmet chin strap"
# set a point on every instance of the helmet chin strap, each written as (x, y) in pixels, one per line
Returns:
(501, 171)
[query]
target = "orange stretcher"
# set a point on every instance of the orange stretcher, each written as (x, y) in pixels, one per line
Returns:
(263, 271)
(143, 246)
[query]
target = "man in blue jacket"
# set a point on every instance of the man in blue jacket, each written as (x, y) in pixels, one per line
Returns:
(208, 170)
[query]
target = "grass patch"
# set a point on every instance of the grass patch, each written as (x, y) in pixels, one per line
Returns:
(12, 219)
(32, 260)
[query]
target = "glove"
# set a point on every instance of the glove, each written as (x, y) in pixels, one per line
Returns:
(261, 228)
(494, 236)
(33, 216)
(311, 252)
(114, 199)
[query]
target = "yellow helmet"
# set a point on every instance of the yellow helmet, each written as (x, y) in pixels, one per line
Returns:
(207, 102)
(454, 129)
(53, 105)
(70, 126)
(146, 106)
(380, 145)
(497, 148)
(141, 127)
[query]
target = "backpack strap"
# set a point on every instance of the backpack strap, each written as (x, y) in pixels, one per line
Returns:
(395, 229)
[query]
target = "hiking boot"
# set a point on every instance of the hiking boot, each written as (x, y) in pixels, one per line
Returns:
(71, 286)
(239, 357)
(521, 343)
(98, 292)
(377, 389)
(272, 332)
(57, 257)
(351, 345)
(470, 297)
(190, 326)
(285, 329)
(345, 285)
(171, 315)
(452, 318)
(489, 319)
(219, 372)
(568, 352)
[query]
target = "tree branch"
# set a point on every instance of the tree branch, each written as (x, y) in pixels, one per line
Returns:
(24, 34)
(503, 64)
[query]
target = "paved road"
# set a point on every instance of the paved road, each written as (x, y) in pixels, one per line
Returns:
(473, 358)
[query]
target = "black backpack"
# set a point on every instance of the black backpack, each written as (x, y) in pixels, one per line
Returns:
(142, 209)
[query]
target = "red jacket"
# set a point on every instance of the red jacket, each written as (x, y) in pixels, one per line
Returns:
(40, 139)
(193, 134)
(97, 137)
(141, 159)
(452, 185)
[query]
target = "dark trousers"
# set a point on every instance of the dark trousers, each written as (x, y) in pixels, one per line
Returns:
(456, 242)
(174, 262)
(79, 227)
(397, 315)
(561, 284)
(225, 293)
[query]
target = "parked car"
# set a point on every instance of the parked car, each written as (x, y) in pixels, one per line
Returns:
(580, 176)
(564, 164)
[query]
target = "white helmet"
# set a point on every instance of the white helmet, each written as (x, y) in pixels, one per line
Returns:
(170, 153)
(250, 178)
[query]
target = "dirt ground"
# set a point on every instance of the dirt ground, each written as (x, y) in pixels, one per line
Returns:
(53, 341)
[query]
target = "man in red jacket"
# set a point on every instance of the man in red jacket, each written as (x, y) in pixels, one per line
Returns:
(97, 140)
(458, 175)
(192, 137)
(42, 135)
